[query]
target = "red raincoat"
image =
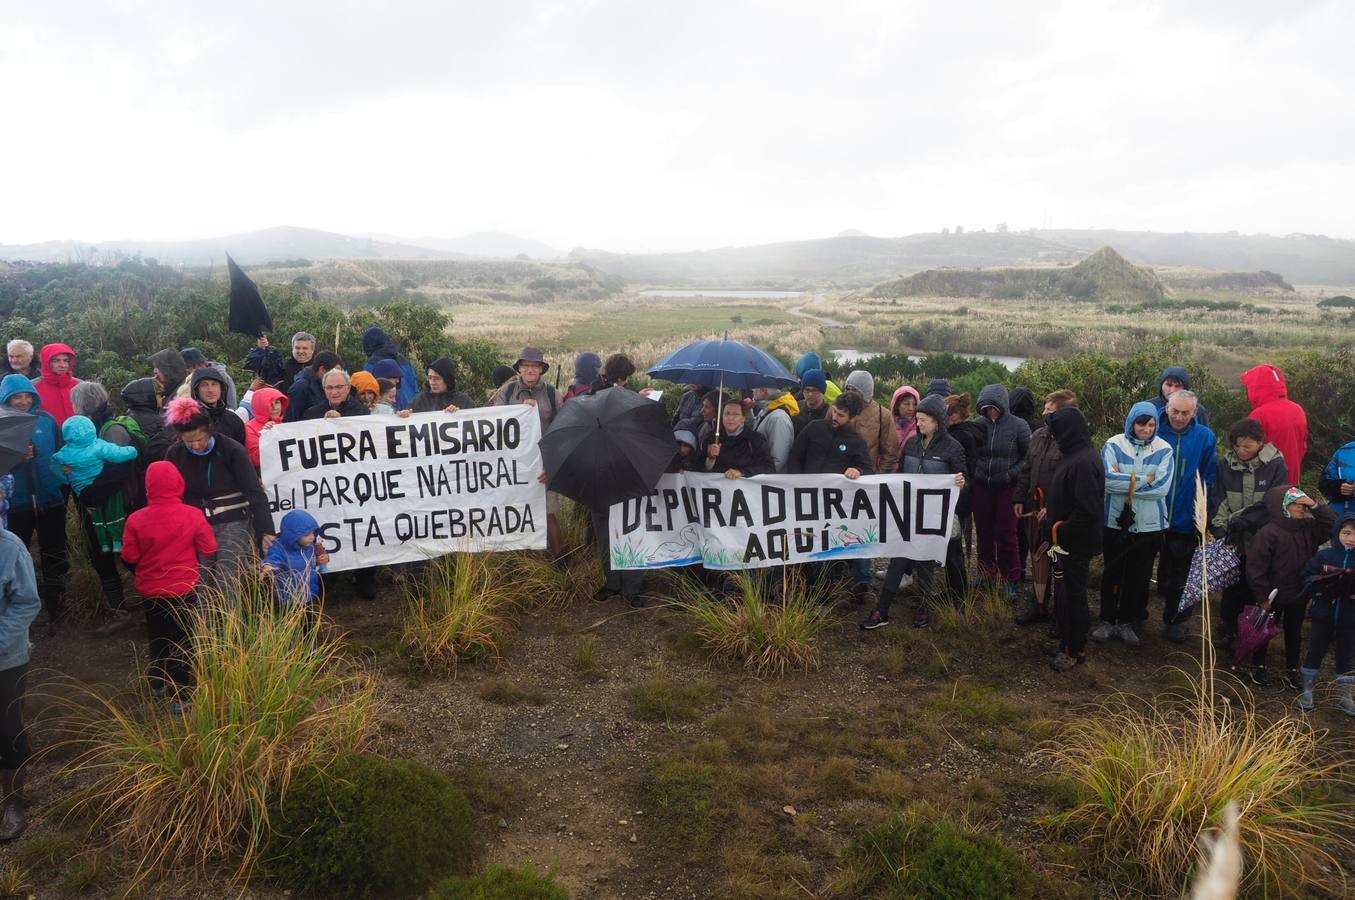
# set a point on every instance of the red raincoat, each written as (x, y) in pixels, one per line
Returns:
(1284, 420)
(55, 390)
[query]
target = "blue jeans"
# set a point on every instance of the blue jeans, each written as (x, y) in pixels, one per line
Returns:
(861, 571)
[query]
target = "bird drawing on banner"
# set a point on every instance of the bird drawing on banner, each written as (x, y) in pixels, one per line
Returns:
(689, 539)
(847, 538)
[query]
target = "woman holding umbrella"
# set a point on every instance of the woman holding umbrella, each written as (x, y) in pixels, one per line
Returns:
(1138, 467)
(735, 449)
(38, 503)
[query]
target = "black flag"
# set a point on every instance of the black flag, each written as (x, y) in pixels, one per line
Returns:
(248, 315)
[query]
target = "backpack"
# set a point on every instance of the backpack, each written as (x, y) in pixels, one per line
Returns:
(133, 430)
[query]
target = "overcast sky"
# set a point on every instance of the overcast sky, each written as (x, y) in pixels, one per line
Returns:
(661, 126)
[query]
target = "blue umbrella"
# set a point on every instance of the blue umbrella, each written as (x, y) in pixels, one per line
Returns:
(726, 363)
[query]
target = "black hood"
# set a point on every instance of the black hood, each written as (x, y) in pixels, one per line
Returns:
(1022, 403)
(1070, 430)
(139, 395)
(447, 369)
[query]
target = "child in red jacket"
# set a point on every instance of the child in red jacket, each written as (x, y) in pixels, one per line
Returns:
(162, 543)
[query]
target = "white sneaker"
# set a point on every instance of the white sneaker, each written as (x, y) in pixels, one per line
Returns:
(1128, 634)
(1103, 632)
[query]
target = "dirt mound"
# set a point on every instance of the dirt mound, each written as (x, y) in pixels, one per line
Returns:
(1105, 275)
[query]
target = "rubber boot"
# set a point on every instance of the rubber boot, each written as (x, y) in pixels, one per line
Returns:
(12, 818)
(1307, 680)
(1346, 704)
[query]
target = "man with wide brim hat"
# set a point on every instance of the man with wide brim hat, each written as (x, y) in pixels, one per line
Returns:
(531, 355)
(531, 388)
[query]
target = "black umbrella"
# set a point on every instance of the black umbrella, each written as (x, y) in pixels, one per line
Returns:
(16, 436)
(608, 447)
(248, 315)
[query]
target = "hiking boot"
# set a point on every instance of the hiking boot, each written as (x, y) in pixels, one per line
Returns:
(1104, 632)
(1127, 634)
(637, 601)
(1033, 614)
(920, 617)
(119, 620)
(1063, 662)
(875, 620)
(1051, 648)
(1176, 633)
(602, 595)
(1291, 680)
(1309, 681)
(1259, 676)
(1346, 685)
(13, 820)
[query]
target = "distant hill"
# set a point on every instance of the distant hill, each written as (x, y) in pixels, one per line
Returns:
(1104, 276)
(491, 244)
(1299, 258)
(845, 260)
(280, 243)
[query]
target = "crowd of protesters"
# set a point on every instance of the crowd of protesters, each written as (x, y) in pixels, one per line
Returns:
(170, 490)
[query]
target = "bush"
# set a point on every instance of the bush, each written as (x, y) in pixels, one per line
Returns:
(771, 625)
(175, 791)
(500, 883)
(918, 856)
(1152, 777)
(369, 827)
(459, 610)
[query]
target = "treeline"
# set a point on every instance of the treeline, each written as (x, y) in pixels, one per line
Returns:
(116, 317)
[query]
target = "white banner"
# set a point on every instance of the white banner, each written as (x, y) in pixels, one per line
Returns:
(388, 490)
(750, 523)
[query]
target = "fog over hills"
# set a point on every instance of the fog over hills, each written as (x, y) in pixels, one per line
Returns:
(849, 259)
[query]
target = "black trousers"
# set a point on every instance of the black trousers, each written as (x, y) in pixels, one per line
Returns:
(1172, 567)
(1129, 569)
(957, 579)
(1290, 616)
(1072, 613)
(167, 622)
(1322, 636)
(626, 582)
(14, 748)
(50, 525)
(105, 564)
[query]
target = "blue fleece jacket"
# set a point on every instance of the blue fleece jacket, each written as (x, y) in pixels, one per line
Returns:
(1334, 604)
(1194, 450)
(296, 575)
(19, 601)
(40, 477)
(85, 452)
(1130, 461)
(378, 345)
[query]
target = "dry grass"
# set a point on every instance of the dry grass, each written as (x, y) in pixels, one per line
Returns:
(172, 791)
(770, 625)
(1152, 777)
(459, 611)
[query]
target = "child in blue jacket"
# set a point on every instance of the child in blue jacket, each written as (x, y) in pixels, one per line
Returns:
(295, 562)
(84, 454)
(1328, 576)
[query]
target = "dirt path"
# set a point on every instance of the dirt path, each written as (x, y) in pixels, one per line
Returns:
(822, 320)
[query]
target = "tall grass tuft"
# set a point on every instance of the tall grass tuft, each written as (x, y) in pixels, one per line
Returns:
(770, 625)
(272, 701)
(1152, 777)
(460, 610)
(545, 583)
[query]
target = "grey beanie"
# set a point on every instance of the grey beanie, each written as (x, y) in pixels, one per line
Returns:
(683, 436)
(864, 382)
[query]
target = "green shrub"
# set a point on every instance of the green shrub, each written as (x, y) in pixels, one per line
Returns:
(371, 827)
(500, 883)
(919, 856)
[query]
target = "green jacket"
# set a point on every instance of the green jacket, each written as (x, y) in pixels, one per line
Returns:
(1243, 486)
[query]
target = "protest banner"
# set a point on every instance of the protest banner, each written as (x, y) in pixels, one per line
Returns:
(387, 489)
(750, 523)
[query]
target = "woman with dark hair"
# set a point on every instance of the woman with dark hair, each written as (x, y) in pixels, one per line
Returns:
(220, 480)
(442, 393)
(738, 450)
